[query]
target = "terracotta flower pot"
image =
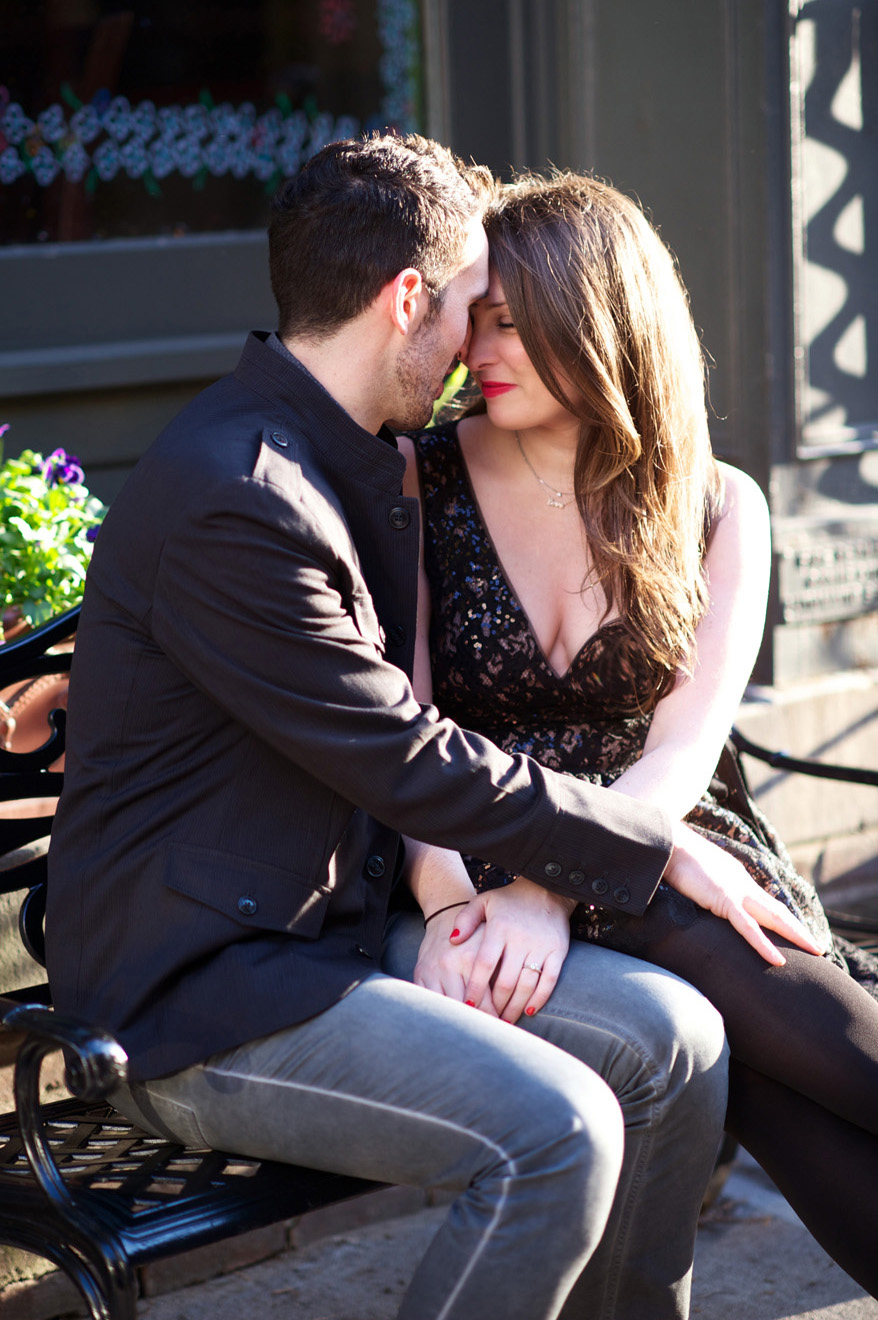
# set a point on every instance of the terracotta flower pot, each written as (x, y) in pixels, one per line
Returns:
(24, 717)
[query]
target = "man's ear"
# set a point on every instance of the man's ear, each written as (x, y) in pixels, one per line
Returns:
(407, 295)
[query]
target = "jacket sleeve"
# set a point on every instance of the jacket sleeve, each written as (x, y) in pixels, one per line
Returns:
(260, 609)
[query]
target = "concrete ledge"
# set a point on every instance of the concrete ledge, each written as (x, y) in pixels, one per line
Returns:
(372, 1208)
(43, 1298)
(844, 869)
(208, 1262)
(48, 1294)
(835, 720)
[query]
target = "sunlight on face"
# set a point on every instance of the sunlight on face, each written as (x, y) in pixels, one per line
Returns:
(515, 395)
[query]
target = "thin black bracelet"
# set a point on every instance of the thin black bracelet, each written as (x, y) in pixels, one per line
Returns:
(447, 908)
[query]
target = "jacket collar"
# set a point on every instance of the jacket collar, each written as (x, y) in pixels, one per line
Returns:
(339, 443)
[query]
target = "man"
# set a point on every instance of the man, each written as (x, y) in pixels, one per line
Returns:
(244, 751)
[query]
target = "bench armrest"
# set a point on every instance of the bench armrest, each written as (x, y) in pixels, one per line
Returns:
(96, 1064)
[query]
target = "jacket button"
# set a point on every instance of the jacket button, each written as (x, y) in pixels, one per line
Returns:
(399, 518)
(396, 634)
(576, 877)
(621, 895)
(599, 886)
(375, 866)
(247, 906)
(552, 870)
(278, 438)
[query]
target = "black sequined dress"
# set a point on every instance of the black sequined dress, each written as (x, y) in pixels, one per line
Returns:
(490, 675)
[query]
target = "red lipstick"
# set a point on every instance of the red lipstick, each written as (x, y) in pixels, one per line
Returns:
(491, 388)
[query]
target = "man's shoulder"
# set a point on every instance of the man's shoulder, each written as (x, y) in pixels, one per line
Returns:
(226, 431)
(233, 451)
(237, 447)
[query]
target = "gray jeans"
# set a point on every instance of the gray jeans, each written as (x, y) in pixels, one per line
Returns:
(579, 1144)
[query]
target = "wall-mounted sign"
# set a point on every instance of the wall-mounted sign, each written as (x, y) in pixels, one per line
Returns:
(822, 580)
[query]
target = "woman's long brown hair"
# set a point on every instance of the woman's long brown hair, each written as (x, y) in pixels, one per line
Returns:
(605, 320)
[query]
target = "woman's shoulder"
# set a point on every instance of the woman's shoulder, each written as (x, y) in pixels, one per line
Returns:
(741, 495)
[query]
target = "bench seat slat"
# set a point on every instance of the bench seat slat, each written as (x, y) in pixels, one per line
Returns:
(155, 1197)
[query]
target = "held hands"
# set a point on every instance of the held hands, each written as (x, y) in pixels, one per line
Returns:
(502, 951)
(445, 966)
(508, 948)
(715, 880)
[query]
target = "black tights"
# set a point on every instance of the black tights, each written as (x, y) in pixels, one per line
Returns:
(803, 1096)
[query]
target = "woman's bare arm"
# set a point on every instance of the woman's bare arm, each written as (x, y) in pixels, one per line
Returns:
(691, 723)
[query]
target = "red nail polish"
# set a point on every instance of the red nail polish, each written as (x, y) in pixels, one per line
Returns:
(470, 1003)
(454, 934)
(530, 1011)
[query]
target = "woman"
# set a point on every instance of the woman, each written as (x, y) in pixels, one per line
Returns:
(598, 589)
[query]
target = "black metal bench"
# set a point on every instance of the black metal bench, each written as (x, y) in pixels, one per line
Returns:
(79, 1184)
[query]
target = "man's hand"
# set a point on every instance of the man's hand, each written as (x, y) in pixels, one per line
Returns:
(525, 935)
(715, 880)
(445, 966)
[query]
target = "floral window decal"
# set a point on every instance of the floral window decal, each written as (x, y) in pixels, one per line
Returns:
(109, 135)
(112, 134)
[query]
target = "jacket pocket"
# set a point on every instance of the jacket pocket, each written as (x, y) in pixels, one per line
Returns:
(251, 894)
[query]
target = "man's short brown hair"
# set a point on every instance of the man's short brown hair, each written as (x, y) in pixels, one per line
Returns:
(358, 213)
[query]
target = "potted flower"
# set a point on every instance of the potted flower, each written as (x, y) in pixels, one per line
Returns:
(48, 523)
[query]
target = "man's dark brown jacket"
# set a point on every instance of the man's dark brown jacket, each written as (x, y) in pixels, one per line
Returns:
(244, 745)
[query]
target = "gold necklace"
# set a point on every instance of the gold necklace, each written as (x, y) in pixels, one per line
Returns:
(558, 499)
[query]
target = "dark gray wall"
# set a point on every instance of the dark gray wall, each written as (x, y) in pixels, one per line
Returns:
(107, 340)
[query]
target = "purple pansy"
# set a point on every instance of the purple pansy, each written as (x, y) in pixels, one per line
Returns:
(62, 469)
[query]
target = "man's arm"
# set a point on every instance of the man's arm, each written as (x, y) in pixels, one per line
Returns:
(256, 607)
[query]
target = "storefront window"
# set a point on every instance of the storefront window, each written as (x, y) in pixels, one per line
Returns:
(174, 117)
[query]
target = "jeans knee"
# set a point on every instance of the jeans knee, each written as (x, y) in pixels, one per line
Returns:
(593, 1137)
(700, 1055)
(602, 1135)
(705, 1035)
(582, 1133)
(574, 1162)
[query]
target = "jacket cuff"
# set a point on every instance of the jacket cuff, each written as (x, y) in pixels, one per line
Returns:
(603, 848)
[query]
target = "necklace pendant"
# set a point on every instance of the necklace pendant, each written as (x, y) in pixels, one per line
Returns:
(552, 503)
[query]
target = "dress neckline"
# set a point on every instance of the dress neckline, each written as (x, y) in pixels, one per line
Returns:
(598, 635)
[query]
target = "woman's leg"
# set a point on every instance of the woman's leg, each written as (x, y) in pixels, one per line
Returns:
(804, 1072)
(831, 1180)
(807, 1024)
